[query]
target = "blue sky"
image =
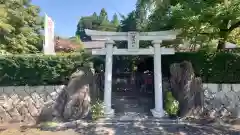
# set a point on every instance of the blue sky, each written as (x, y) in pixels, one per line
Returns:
(66, 13)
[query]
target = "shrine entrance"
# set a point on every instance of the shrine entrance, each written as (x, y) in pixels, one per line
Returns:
(130, 94)
(133, 39)
(127, 80)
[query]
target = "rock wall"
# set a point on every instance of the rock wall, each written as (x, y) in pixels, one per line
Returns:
(24, 103)
(222, 100)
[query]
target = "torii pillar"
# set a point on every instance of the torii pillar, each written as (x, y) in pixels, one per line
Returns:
(133, 49)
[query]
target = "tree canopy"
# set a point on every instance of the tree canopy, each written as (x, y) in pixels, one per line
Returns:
(96, 22)
(200, 21)
(20, 26)
(129, 23)
(115, 20)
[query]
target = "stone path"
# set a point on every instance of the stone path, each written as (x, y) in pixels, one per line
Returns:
(133, 119)
(148, 127)
(141, 124)
(133, 128)
(125, 104)
(136, 124)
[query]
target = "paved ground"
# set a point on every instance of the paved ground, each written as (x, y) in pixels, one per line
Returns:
(132, 128)
(149, 129)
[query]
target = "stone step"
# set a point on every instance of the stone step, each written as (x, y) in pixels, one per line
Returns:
(140, 117)
(149, 121)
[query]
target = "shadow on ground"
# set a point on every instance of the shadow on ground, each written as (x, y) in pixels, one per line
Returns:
(141, 128)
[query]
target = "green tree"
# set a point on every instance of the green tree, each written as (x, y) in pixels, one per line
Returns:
(200, 21)
(129, 23)
(115, 20)
(208, 20)
(94, 22)
(20, 26)
(143, 8)
(95, 16)
(103, 15)
(141, 14)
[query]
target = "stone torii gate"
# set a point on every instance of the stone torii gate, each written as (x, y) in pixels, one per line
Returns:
(133, 39)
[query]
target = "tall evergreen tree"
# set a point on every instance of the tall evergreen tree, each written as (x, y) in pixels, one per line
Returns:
(95, 22)
(95, 16)
(129, 22)
(115, 20)
(103, 16)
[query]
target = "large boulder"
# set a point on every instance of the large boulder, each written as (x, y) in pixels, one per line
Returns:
(187, 89)
(73, 101)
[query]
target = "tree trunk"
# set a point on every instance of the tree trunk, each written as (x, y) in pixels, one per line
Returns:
(186, 88)
(221, 44)
(223, 37)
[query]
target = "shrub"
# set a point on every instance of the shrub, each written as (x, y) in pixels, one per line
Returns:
(214, 67)
(171, 105)
(97, 110)
(39, 69)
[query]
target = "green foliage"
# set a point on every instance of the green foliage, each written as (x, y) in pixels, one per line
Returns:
(97, 110)
(96, 22)
(214, 19)
(129, 23)
(20, 26)
(200, 21)
(39, 69)
(213, 67)
(155, 12)
(234, 36)
(115, 20)
(149, 3)
(141, 16)
(103, 15)
(171, 104)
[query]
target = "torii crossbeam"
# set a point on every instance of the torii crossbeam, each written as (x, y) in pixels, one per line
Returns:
(133, 39)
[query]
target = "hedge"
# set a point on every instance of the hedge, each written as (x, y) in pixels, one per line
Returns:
(218, 67)
(39, 69)
(52, 70)
(212, 67)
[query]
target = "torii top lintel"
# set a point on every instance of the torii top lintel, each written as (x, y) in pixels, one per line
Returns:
(132, 37)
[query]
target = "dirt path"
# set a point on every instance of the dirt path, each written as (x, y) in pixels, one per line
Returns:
(14, 129)
(36, 132)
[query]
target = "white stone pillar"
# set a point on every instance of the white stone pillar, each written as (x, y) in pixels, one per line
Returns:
(108, 111)
(158, 110)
